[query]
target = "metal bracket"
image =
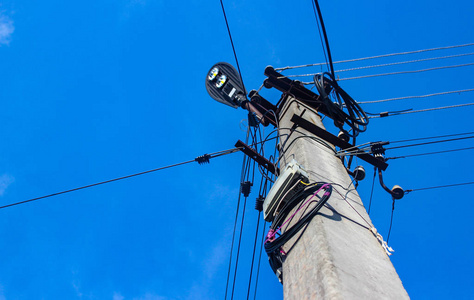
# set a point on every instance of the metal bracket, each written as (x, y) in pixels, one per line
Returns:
(296, 89)
(262, 161)
(330, 138)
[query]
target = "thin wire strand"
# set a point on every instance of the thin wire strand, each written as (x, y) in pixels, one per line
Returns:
(384, 65)
(430, 153)
(404, 72)
(391, 221)
(253, 255)
(377, 56)
(438, 187)
(242, 176)
(372, 190)
(416, 97)
(220, 153)
(429, 143)
(422, 110)
(259, 260)
(233, 47)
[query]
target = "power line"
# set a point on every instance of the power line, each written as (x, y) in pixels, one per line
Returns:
(362, 150)
(431, 137)
(430, 153)
(242, 177)
(376, 56)
(438, 187)
(386, 114)
(404, 72)
(320, 36)
(415, 97)
(201, 159)
(386, 65)
(232, 43)
(323, 28)
(429, 143)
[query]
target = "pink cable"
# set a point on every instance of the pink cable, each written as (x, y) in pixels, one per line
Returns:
(271, 232)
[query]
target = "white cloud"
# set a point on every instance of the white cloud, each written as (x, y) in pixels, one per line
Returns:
(5, 181)
(118, 296)
(150, 296)
(6, 29)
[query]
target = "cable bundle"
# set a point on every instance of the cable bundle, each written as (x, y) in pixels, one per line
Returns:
(273, 245)
(355, 116)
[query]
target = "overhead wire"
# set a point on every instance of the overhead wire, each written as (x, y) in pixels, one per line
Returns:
(430, 153)
(402, 72)
(259, 260)
(429, 143)
(209, 156)
(384, 65)
(384, 114)
(438, 187)
(377, 56)
(233, 47)
(366, 149)
(319, 31)
(372, 190)
(242, 176)
(416, 97)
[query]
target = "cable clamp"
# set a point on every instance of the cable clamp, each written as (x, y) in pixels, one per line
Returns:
(383, 243)
(203, 159)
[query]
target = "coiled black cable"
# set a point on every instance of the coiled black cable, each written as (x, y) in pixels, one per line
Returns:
(355, 116)
(273, 245)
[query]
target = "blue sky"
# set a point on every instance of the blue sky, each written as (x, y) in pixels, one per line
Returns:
(94, 90)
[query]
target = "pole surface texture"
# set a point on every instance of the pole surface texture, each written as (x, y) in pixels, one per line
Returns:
(336, 256)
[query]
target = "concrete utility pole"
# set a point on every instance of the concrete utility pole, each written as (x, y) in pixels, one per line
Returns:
(336, 256)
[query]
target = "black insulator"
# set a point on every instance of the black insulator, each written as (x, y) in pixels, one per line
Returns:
(359, 173)
(259, 203)
(377, 149)
(246, 186)
(253, 121)
(343, 136)
(397, 192)
(203, 159)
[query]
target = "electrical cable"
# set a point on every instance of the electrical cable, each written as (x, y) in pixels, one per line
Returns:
(319, 31)
(384, 65)
(429, 143)
(206, 157)
(259, 261)
(242, 176)
(246, 176)
(358, 148)
(233, 48)
(430, 153)
(385, 114)
(355, 117)
(415, 97)
(372, 190)
(253, 255)
(431, 137)
(368, 151)
(391, 220)
(438, 187)
(404, 72)
(273, 245)
(377, 56)
(323, 28)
